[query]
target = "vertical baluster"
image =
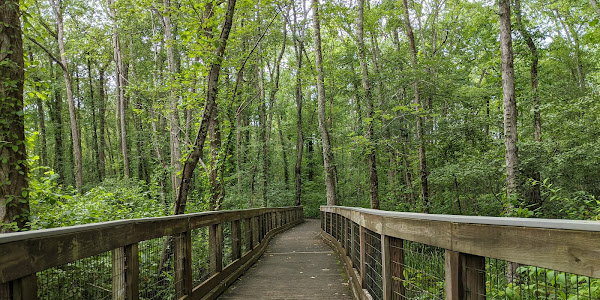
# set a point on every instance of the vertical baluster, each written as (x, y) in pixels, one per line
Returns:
(363, 267)
(216, 248)
(386, 270)
(236, 240)
(132, 271)
(183, 264)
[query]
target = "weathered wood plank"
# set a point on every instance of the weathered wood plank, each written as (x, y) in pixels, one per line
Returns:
(363, 248)
(183, 264)
(215, 242)
(119, 287)
(386, 270)
(132, 272)
(236, 239)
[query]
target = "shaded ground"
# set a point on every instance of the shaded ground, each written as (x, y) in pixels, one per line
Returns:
(296, 265)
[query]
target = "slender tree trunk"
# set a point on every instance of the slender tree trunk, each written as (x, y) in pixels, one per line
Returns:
(537, 120)
(14, 201)
(510, 104)
(56, 116)
(298, 40)
(263, 129)
(371, 160)
(209, 107)
(102, 123)
(120, 90)
(42, 120)
(94, 123)
(174, 112)
(595, 6)
(273, 100)
(423, 174)
(328, 160)
(72, 113)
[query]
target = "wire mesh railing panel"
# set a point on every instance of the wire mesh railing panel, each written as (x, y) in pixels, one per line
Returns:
(356, 246)
(373, 279)
(328, 222)
(340, 232)
(227, 243)
(323, 221)
(506, 280)
(88, 278)
(200, 255)
(422, 271)
(157, 280)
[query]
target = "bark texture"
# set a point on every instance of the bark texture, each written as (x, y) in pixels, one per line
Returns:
(509, 103)
(371, 160)
(14, 203)
(328, 160)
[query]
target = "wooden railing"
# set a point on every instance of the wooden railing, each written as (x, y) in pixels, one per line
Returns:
(392, 255)
(106, 260)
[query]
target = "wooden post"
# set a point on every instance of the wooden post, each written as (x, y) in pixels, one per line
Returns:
(474, 268)
(236, 240)
(24, 288)
(352, 254)
(216, 248)
(132, 271)
(118, 274)
(255, 231)
(386, 271)
(362, 268)
(248, 236)
(465, 276)
(183, 264)
(397, 268)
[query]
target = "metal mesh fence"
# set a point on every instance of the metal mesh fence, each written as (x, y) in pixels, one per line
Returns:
(200, 255)
(157, 280)
(505, 280)
(349, 236)
(373, 279)
(327, 222)
(422, 267)
(88, 278)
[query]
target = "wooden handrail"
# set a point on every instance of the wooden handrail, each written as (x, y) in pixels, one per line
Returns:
(562, 245)
(24, 254)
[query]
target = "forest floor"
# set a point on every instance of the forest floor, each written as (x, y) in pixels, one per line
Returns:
(296, 265)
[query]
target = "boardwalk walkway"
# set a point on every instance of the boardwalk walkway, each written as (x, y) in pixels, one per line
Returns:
(296, 265)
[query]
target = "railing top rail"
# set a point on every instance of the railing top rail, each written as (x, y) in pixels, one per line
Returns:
(564, 245)
(562, 224)
(59, 231)
(25, 253)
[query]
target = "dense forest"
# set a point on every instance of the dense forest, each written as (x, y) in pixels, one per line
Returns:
(138, 108)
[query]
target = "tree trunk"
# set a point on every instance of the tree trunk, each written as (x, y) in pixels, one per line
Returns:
(510, 105)
(209, 107)
(94, 123)
(14, 201)
(263, 129)
(102, 123)
(595, 6)
(298, 51)
(537, 121)
(273, 100)
(371, 161)
(419, 127)
(120, 90)
(174, 112)
(328, 160)
(56, 117)
(72, 113)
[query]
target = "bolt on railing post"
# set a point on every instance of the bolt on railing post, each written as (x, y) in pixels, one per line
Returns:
(215, 243)
(183, 264)
(236, 239)
(386, 270)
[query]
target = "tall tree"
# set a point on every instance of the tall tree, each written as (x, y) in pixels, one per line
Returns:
(57, 8)
(209, 106)
(371, 161)
(418, 106)
(510, 104)
(14, 203)
(535, 95)
(298, 39)
(328, 160)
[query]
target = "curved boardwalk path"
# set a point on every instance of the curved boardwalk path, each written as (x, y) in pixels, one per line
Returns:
(296, 265)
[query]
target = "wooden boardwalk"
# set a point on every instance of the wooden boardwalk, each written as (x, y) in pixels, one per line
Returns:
(296, 265)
